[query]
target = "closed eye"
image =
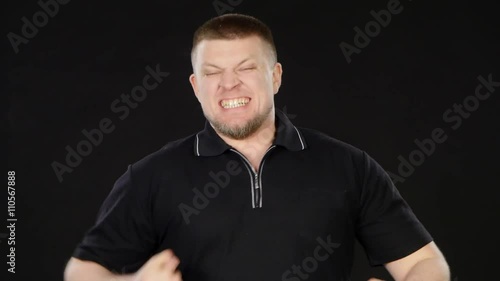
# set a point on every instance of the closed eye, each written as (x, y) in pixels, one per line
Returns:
(247, 68)
(211, 73)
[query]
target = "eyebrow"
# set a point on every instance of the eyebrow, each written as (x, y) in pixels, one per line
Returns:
(215, 66)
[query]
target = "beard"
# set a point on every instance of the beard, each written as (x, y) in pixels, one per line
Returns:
(241, 132)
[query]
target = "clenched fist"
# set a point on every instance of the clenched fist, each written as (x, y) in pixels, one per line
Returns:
(160, 267)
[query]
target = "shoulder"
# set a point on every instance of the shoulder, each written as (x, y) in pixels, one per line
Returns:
(171, 154)
(341, 156)
(320, 141)
(326, 146)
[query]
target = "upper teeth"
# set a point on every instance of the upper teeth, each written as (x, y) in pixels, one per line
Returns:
(234, 102)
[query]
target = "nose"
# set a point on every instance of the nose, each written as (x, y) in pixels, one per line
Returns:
(229, 80)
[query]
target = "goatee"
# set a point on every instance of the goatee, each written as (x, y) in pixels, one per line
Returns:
(240, 132)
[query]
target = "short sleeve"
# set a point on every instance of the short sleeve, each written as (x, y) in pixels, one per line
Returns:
(122, 239)
(386, 226)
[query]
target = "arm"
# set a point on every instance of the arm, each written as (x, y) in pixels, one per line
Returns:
(160, 267)
(123, 236)
(80, 270)
(392, 234)
(425, 264)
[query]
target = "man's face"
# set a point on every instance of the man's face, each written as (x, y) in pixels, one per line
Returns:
(235, 82)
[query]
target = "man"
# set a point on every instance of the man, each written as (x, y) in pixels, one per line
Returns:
(251, 197)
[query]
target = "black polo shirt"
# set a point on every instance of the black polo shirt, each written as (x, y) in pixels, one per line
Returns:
(297, 218)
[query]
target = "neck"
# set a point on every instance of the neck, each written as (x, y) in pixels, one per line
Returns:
(259, 141)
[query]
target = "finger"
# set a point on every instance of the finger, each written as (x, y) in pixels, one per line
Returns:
(162, 258)
(172, 263)
(165, 254)
(176, 276)
(375, 279)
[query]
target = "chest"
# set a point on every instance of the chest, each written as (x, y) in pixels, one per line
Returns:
(288, 197)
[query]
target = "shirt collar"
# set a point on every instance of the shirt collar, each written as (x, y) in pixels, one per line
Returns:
(208, 143)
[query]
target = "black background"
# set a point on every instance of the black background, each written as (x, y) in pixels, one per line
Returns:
(393, 92)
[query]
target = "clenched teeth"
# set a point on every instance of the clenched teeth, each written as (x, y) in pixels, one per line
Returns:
(234, 102)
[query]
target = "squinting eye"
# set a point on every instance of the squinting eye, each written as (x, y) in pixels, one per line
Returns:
(248, 68)
(211, 73)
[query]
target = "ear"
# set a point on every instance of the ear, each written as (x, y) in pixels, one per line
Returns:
(277, 72)
(194, 85)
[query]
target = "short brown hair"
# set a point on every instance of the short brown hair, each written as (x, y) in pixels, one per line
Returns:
(234, 26)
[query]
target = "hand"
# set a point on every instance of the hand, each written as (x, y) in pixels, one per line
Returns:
(375, 279)
(160, 267)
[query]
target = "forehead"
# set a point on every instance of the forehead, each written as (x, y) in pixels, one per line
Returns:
(251, 46)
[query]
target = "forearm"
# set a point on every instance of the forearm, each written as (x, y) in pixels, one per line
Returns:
(431, 269)
(95, 276)
(78, 270)
(99, 276)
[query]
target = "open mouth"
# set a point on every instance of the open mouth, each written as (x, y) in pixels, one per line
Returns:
(233, 103)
